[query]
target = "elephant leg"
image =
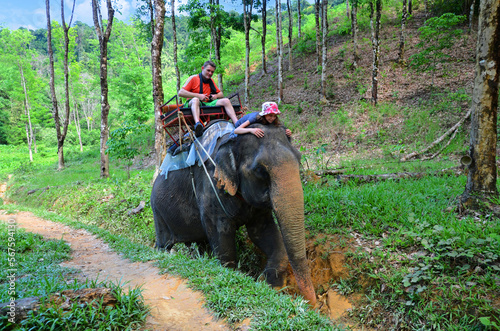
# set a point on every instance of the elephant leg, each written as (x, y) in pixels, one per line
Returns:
(221, 237)
(267, 237)
(164, 237)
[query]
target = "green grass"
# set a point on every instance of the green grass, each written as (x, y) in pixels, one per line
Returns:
(430, 267)
(379, 207)
(420, 265)
(35, 263)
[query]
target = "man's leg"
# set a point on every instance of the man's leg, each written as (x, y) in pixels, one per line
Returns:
(228, 107)
(195, 110)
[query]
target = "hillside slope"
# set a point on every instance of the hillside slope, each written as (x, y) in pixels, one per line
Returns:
(346, 122)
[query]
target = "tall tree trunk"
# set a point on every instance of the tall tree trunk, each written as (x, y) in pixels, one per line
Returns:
(482, 177)
(29, 128)
(279, 50)
(375, 27)
(174, 41)
(218, 37)
(290, 30)
(76, 118)
(471, 14)
(410, 7)
(401, 53)
(354, 28)
(151, 11)
(299, 20)
(34, 141)
(317, 4)
(280, 74)
(263, 38)
(55, 110)
(347, 9)
(158, 96)
(247, 19)
(323, 43)
(212, 28)
(103, 36)
(63, 133)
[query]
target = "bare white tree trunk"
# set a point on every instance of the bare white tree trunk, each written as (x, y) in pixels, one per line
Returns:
(471, 14)
(29, 128)
(88, 106)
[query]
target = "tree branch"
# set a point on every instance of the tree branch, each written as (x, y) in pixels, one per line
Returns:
(437, 141)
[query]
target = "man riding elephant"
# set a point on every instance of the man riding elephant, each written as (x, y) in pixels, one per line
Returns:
(200, 90)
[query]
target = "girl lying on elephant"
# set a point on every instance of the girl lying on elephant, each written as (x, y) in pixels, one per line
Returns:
(268, 115)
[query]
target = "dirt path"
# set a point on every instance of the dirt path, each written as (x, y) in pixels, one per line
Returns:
(174, 306)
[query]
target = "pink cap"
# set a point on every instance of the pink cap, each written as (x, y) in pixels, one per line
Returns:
(269, 108)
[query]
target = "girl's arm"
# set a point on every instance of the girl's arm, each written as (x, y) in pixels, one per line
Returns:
(242, 129)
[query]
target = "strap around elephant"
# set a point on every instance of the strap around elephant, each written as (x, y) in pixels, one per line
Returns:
(209, 81)
(212, 184)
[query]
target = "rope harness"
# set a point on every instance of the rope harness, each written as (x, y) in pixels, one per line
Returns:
(196, 144)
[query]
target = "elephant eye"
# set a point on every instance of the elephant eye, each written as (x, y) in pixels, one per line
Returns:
(261, 172)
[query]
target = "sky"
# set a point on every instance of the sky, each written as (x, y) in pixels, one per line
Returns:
(31, 14)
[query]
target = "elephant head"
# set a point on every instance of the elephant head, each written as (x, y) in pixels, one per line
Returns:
(265, 172)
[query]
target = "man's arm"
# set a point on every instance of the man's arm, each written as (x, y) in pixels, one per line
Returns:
(219, 95)
(186, 94)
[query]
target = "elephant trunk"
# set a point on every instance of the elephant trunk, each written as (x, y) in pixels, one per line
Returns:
(288, 204)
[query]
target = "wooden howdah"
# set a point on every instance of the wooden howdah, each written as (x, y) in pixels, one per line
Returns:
(174, 127)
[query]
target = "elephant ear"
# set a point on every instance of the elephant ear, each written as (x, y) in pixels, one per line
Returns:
(225, 169)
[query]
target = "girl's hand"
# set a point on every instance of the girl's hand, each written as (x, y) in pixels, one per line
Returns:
(288, 132)
(259, 133)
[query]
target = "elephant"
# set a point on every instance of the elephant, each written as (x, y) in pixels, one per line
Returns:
(244, 182)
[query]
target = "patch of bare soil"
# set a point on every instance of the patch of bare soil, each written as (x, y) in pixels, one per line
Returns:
(327, 265)
(173, 305)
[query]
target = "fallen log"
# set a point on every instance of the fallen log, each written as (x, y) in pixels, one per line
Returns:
(137, 209)
(19, 309)
(440, 139)
(41, 188)
(317, 176)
